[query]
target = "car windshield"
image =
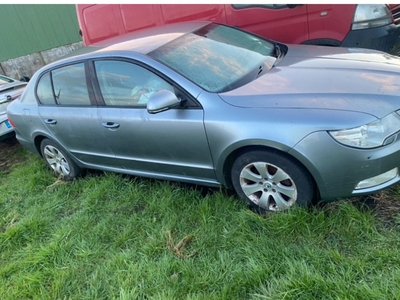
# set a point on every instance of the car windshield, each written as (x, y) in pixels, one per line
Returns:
(217, 58)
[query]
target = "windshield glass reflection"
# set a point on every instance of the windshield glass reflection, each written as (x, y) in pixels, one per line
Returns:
(217, 58)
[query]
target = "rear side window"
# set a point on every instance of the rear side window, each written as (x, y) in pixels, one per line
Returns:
(64, 86)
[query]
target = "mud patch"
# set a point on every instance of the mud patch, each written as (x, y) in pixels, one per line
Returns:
(8, 154)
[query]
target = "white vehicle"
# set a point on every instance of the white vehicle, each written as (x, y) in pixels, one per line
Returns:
(10, 89)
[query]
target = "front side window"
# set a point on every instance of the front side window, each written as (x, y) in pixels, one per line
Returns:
(217, 58)
(126, 84)
(64, 86)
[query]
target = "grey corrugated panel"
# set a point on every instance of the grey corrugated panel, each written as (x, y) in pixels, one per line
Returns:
(29, 28)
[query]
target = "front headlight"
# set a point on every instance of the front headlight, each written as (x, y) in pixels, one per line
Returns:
(370, 16)
(372, 135)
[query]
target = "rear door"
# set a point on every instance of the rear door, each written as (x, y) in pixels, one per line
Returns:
(280, 22)
(67, 111)
(170, 144)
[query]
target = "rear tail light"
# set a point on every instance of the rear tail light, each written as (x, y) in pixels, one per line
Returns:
(11, 122)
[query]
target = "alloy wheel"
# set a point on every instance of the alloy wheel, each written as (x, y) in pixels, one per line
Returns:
(268, 186)
(56, 160)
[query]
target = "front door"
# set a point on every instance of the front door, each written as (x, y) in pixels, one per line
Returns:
(171, 144)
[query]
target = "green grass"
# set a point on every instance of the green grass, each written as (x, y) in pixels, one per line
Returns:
(109, 236)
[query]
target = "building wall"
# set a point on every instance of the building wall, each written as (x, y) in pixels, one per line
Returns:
(34, 35)
(27, 65)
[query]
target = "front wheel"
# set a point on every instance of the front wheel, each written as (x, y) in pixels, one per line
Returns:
(57, 159)
(270, 181)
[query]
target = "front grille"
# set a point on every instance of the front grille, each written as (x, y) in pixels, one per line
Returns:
(396, 14)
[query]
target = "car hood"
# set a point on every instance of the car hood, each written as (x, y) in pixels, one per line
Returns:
(317, 77)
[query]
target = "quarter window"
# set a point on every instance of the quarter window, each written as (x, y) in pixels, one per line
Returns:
(126, 84)
(64, 86)
(45, 91)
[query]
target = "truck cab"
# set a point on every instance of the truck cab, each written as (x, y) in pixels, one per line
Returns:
(372, 26)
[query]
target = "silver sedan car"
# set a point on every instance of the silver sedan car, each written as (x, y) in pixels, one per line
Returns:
(10, 89)
(208, 104)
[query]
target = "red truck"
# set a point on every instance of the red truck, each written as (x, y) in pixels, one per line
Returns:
(373, 26)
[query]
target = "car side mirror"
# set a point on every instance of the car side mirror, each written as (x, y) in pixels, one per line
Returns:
(161, 101)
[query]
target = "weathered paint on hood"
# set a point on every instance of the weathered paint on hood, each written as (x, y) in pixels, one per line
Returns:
(326, 78)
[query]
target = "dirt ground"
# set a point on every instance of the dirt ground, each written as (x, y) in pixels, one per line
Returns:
(7, 149)
(385, 205)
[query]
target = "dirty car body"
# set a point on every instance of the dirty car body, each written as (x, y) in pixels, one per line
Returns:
(212, 105)
(10, 89)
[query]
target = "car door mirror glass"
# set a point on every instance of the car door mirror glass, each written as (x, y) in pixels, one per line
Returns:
(161, 101)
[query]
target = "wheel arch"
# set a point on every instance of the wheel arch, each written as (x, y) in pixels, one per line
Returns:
(231, 157)
(37, 141)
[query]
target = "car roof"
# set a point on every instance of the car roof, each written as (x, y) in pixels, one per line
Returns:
(147, 40)
(141, 41)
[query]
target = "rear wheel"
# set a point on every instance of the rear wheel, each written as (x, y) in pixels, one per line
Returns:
(57, 159)
(270, 181)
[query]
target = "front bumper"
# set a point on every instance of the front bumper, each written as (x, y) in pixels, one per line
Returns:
(384, 38)
(338, 169)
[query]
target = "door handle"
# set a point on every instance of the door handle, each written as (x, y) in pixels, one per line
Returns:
(50, 121)
(110, 125)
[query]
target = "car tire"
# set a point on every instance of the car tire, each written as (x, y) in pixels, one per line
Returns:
(270, 181)
(58, 160)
